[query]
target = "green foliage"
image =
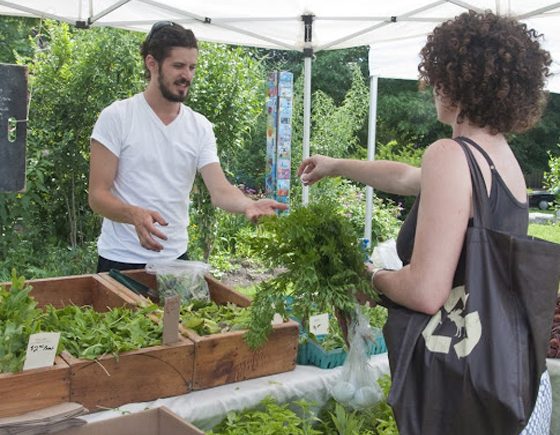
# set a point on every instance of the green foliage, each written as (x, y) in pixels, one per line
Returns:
(270, 418)
(47, 260)
(535, 147)
(14, 37)
(332, 71)
(552, 177)
(376, 420)
(347, 423)
(406, 115)
(86, 333)
(323, 264)
(405, 153)
(334, 129)
(18, 312)
(349, 200)
(228, 89)
(71, 80)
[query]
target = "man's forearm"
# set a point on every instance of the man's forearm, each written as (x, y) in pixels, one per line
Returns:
(231, 199)
(110, 207)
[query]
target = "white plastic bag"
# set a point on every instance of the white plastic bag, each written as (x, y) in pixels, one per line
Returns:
(356, 386)
(385, 255)
(181, 277)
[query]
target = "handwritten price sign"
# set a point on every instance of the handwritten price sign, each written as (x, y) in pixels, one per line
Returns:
(41, 350)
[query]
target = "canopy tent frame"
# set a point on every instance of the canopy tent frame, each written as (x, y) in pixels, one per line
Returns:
(353, 15)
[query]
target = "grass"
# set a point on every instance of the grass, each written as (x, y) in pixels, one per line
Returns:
(550, 232)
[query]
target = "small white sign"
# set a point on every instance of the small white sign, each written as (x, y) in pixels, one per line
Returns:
(277, 319)
(319, 324)
(171, 312)
(41, 350)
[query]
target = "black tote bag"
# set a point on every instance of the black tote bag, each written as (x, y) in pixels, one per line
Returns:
(474, 368)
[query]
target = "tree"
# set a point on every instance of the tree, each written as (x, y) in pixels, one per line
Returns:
(71, 79)
(14, 37)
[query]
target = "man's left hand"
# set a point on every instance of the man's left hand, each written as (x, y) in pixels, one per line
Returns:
(263, 207)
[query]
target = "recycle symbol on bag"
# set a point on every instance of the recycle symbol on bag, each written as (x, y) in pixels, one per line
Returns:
(468, 327)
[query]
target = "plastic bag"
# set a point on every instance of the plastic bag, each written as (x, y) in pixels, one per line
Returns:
(357, 386)
(181, 277)
(385, 255)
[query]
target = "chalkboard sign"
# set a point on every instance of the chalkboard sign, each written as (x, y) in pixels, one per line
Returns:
(13, 127)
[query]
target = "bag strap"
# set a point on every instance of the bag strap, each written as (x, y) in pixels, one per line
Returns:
(481, 206)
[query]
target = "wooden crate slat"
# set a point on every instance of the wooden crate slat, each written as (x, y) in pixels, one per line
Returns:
(137, 376)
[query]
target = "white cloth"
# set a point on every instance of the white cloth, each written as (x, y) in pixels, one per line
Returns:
(553, 365)
(156, 170)
(540, 419)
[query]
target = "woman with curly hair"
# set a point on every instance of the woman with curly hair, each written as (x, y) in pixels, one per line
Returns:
(488, 74)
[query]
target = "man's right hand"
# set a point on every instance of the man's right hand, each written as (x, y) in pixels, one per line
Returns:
(144, 221)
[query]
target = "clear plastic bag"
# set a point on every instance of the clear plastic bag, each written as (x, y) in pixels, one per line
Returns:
(181, 277)
(385, 255)
(356, 386)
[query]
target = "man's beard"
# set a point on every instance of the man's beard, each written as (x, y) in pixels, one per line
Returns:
(166, 92)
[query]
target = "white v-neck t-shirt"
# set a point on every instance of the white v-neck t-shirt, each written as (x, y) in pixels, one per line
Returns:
(156, 170)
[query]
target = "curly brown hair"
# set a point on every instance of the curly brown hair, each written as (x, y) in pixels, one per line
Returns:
(490, 66)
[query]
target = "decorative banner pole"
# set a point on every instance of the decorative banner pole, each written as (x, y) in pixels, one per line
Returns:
(280, 91)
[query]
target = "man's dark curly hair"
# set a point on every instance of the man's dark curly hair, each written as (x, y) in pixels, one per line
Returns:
(162, 38)
(490, 66)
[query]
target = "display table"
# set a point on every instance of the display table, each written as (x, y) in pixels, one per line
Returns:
(206, 408)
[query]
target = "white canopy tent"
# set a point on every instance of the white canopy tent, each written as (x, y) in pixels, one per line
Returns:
(395, 31)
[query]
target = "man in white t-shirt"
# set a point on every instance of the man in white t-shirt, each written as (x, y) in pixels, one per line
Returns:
(145, 152)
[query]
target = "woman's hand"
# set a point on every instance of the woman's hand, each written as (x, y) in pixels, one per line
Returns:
(315, 168)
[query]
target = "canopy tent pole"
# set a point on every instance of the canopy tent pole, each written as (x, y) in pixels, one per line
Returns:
(307, 53)
(372, 124)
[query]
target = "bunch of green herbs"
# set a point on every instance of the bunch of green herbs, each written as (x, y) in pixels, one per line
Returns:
(323, 266)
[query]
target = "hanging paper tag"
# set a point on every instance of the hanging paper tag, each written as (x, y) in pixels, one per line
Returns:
(319, 324)
(171, 319)
(41, 350)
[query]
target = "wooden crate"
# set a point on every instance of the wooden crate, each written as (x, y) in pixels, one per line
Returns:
(39, 388)
(34, 389)
(136, 376)
(78, 290)
(224, 358)
(141, 375)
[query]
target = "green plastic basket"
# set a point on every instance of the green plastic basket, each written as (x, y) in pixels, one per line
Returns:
(324, 359)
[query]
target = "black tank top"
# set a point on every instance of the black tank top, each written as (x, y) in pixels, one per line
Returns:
(507, 215)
